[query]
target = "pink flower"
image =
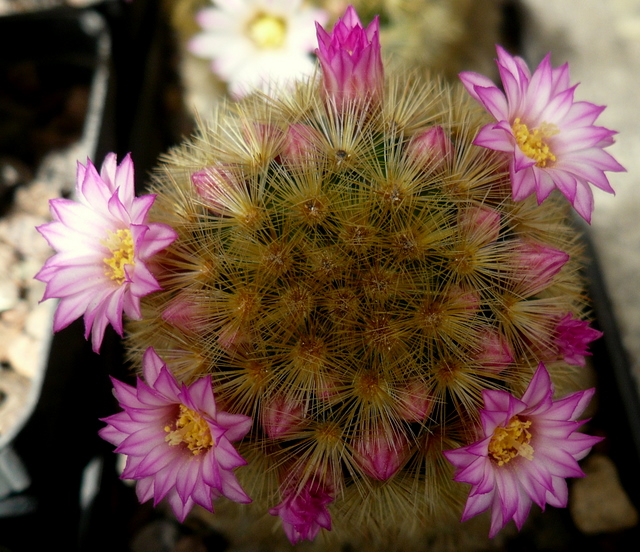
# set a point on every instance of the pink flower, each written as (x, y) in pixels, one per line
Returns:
(350, 60)
(526, 449)
(463, 303)
(186, 313)
(178, 445)
(102, 242)
(233, 335)
(304, 511)
(551, 137)
(572, 339)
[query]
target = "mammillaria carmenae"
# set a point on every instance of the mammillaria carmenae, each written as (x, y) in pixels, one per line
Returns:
(353, 273)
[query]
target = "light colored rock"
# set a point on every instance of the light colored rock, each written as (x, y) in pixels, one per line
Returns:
(39, 322)
(34, 199)
(15, 318)
(7, 260)
(598, 503)
(9, 294)
(14, 389)
(8, 334)
(25, 355)
(33, 289)
(20, 231)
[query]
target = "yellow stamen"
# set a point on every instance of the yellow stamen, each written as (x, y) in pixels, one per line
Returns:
(533, 143)
(120, 243)
(267, 31)
(511, 441)
(190, 429)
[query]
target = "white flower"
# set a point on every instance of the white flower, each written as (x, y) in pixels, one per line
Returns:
(253, 43)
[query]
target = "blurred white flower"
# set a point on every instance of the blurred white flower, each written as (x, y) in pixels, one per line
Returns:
(255, 43)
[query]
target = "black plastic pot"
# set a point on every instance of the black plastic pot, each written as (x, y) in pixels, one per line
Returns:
(69, 495)
(51, 63)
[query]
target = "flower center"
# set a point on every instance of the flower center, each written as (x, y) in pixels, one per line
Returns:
(190, 429)
(533, 143)
(120, 243)
(267, 31)
(511, 441)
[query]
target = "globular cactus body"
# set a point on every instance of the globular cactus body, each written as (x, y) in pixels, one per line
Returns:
(352, 279)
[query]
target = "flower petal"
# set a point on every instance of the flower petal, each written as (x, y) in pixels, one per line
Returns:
(553, 129)
(527, 448)
(172, 450)
(97, 269)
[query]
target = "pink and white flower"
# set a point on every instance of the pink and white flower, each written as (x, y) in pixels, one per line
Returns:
(301, 143)
(103, 241)
(551, 138)
(254, 43)
(351, 61)
(526, 449)
(177, 443)
(415, 401)
(304, 511)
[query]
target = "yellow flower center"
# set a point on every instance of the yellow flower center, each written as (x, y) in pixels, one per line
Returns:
(511, 441)
(120, 243)
(190, 429)
(533, 143)
(267, 31)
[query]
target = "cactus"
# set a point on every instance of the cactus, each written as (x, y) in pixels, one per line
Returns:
(350, 296)
(352, 279)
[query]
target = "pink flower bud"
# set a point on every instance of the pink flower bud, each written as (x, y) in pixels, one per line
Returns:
(186, 314)
(327, 387)
(495, 352)
(300, 144)
(415, 401)
(281, 417)
(480, 224)
(381, 455)
(535, 265)
(218, 187)
(232, 336)
(262, 141)
(430, 149)
(462, 300)
(350, 59)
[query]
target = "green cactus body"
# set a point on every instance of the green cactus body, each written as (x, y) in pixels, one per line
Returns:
(354, 292)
